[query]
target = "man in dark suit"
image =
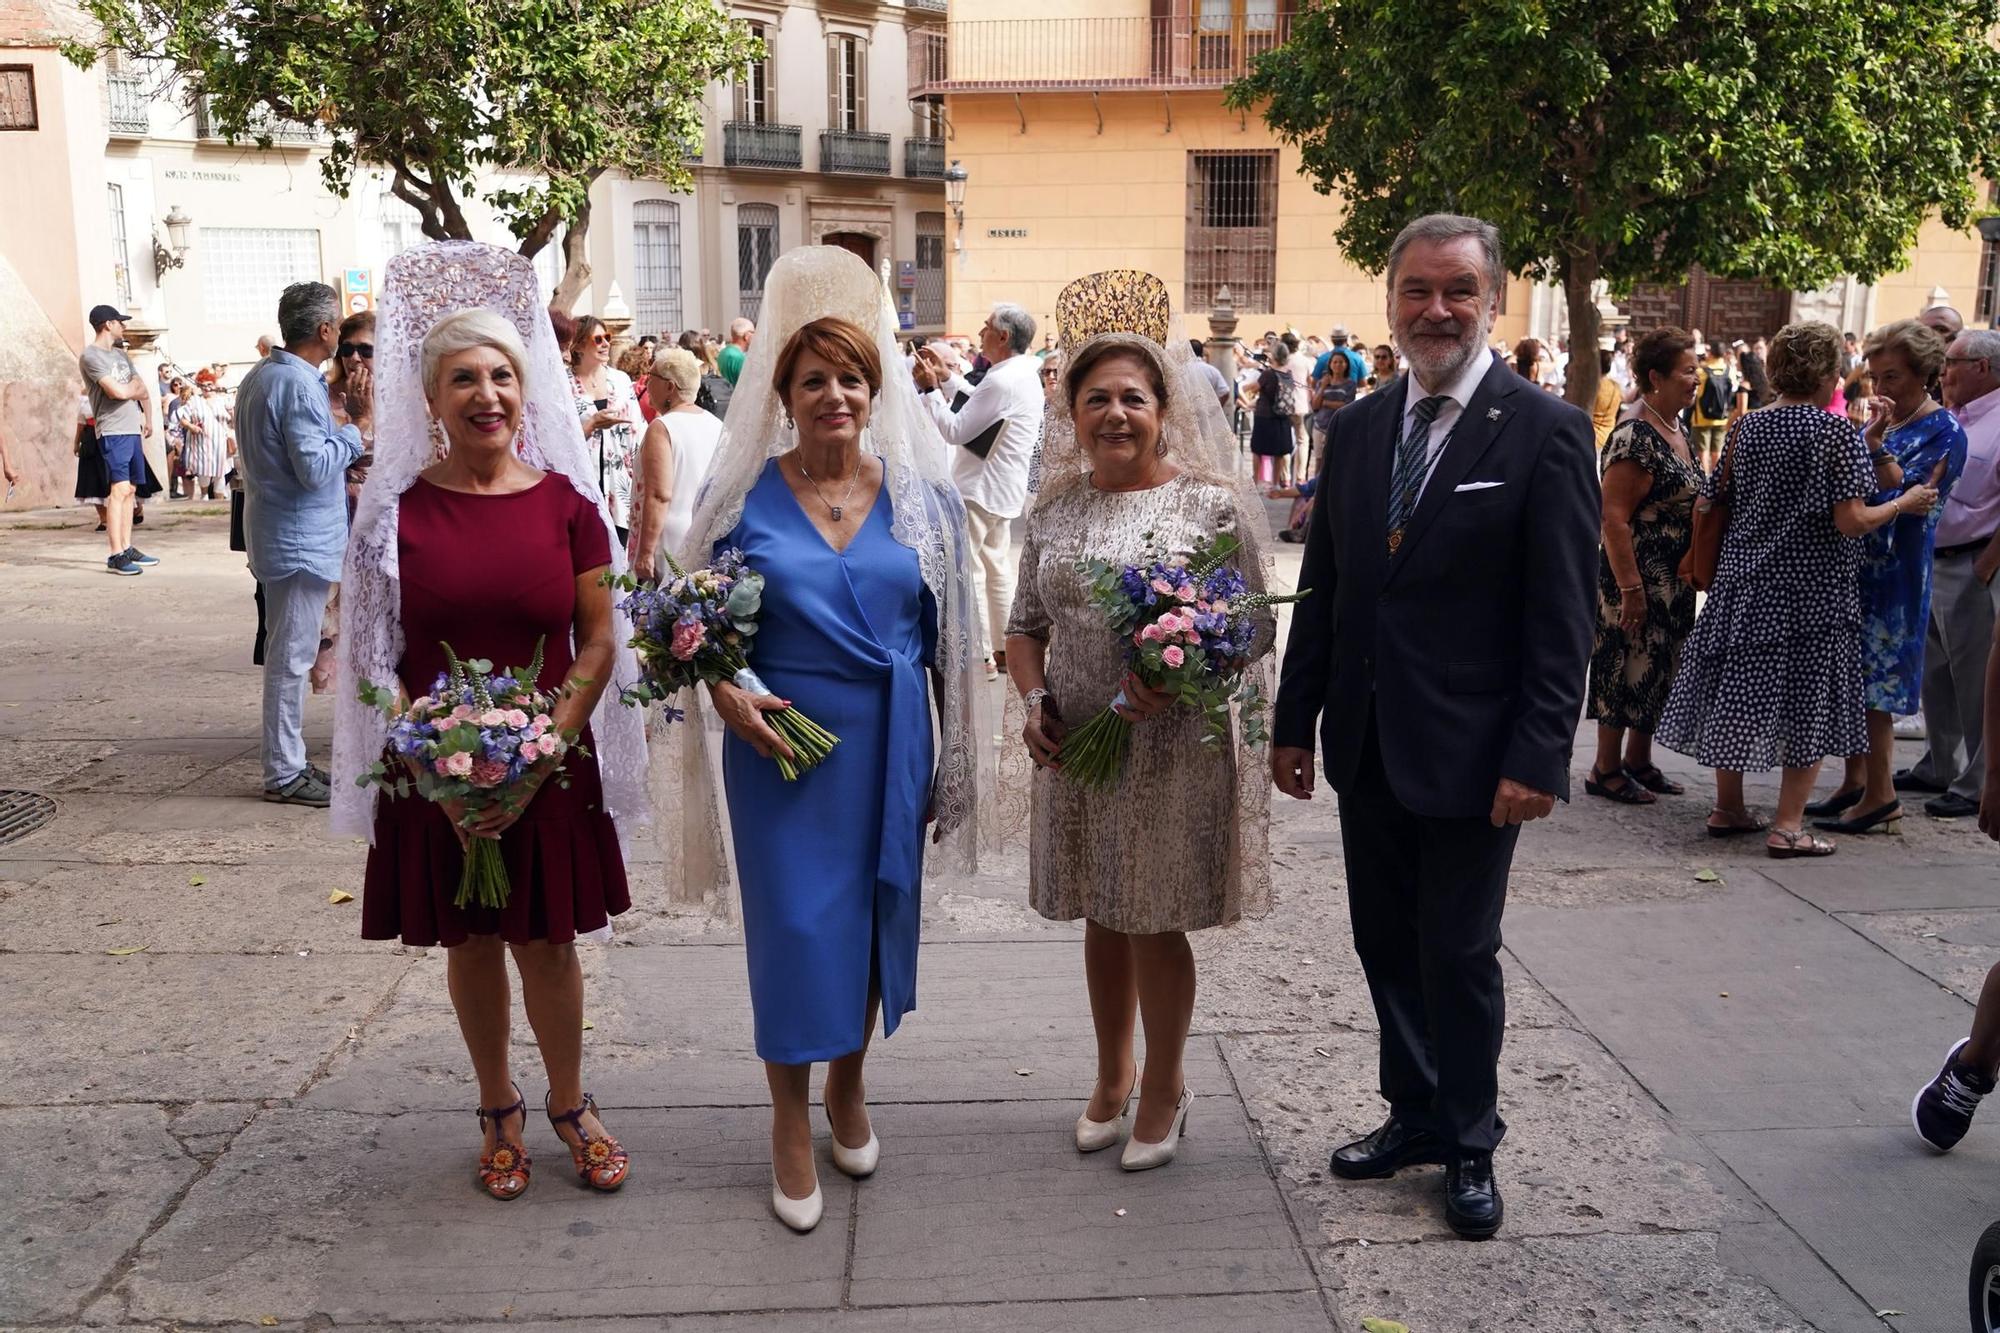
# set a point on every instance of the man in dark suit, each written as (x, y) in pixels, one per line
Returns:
(1441, 657)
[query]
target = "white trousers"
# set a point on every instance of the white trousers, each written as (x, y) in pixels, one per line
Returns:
(991, 555)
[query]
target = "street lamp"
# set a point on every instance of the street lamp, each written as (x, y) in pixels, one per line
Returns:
(955, 177)
(177, 237)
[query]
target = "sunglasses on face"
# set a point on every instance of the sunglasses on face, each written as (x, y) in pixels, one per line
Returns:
(366, 351)
(604, 338)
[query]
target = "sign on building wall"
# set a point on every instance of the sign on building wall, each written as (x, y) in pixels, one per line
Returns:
(357, 291)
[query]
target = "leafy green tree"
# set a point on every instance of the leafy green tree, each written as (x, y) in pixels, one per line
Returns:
(1628, 140)
(445, 92)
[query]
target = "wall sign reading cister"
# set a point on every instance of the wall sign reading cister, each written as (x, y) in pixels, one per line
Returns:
(1007, 233)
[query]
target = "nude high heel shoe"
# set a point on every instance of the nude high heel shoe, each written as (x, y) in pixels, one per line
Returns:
(801, 1215)
(1097, 1135)
(859, 1162)
(1145, 1156)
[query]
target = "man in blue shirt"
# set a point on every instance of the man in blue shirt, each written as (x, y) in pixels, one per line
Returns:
(294, 461)
(1357, 369)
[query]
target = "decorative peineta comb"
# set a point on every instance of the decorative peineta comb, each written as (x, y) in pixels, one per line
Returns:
(1120, 300)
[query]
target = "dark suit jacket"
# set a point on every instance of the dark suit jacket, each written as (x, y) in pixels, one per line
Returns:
(1471, 642)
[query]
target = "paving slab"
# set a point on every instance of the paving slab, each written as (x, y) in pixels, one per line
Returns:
(178, 1028)
(1897, 1220)
(146, 766)
(1955, 949)
(1578, 1284)
(1283, 1312)
(992, 1202)
(82, 1186)
(671, 1027)
(1585, 1152)
(1850, 883)
(85, 907)
(1748, 1010)
(376, 1218)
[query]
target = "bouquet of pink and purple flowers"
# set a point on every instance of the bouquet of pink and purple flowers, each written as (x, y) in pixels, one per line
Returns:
(696, 627)
(1189, 625)
(474, 739)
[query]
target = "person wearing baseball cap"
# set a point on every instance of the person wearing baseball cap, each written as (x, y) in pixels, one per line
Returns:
(121, 404)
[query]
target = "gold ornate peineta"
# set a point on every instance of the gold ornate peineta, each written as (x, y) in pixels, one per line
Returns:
(1121, 300)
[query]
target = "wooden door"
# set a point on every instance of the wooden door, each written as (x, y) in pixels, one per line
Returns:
(855, 243)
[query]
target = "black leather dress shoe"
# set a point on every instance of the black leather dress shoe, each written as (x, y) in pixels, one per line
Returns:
(1393, 1146)
(1471, 1198)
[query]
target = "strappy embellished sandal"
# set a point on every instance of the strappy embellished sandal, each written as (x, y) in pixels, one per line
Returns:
(503, 1173)
(600, 1162)
(1653, 780)
(1796, 844)
(1753, 824)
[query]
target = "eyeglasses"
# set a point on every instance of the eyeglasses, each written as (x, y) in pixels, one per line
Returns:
(1052, 375)
(366, 351)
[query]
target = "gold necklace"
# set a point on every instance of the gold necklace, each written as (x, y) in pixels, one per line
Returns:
(844, 495)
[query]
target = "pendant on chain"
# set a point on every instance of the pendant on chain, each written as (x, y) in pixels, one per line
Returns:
(836, 512)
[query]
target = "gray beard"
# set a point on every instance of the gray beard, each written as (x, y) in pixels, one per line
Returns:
(1435, 375)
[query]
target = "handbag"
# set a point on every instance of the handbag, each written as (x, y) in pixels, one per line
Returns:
(1711, 521)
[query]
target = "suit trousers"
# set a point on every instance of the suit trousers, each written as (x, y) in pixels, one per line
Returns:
(990, 535)
(1954, 688)
(1425, 897)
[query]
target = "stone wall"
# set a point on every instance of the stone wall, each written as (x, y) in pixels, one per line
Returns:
(39, 384)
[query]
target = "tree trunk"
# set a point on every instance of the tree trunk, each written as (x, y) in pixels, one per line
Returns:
(1579, 272)
(576, 264)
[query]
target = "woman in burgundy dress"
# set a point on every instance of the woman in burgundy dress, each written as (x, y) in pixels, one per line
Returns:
(494, 557)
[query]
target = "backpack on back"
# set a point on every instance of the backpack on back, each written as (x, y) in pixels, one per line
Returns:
(1714, 395)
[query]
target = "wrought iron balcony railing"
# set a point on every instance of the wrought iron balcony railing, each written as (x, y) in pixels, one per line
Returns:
(129, 113)
(854, 152)
(923, 159)
(1089, 54)
(933, 6)
(749, 143)
(263, 123)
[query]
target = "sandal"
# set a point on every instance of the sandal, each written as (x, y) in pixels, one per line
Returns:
(1653, 780)
(1756, 824)
(600, 1162)
(1627, 792)
(1797, 843)
(503, 1173)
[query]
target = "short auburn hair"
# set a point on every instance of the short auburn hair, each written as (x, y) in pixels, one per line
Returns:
(842, 345)
(1658, 352)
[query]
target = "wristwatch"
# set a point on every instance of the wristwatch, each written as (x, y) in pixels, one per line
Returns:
(1033, 698)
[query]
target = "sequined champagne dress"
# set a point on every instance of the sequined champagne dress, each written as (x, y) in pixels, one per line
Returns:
(1159, 850)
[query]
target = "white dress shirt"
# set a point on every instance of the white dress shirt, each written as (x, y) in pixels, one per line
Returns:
(1011, 394)
(1458, 393)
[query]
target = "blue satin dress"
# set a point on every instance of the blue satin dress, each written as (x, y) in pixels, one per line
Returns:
(832, 864)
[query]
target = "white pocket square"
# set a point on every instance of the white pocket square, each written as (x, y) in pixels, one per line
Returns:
(1478, 486)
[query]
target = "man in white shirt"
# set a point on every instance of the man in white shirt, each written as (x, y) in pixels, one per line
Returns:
(993, 434)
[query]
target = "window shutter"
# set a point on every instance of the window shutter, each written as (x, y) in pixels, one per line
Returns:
(860, 84)
(742, 100)
(833, 121)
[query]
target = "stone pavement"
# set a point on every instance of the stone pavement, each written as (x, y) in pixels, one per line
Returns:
(259, 1119)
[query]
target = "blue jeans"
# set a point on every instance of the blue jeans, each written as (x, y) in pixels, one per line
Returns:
(294, 606)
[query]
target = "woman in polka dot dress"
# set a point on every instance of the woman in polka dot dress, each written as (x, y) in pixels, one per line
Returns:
(1771, 676)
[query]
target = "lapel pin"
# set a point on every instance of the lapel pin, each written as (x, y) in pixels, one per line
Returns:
(1492, 414)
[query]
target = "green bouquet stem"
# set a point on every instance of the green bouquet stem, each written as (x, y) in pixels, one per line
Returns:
(810, 742)
(1094, 754)
(484, 879)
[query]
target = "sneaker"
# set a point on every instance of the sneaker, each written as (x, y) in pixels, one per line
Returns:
(305, 789)
(121, 564)
(1950, 806)
(1943, 1111)
(139, 557)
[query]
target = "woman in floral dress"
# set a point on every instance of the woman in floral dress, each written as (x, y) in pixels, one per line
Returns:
(1911, 440)
(1643, 608)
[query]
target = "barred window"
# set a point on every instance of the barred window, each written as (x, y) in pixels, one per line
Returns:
(17, 98)
(244, 270)
(656, 255)
(1232, 222)
(928, 305)
(121, 253)
(756, 251)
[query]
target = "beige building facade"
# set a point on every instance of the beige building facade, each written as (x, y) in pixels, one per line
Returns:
(1093, 135)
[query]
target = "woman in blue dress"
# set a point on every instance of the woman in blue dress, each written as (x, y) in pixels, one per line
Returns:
(1911, 441)
(843, 506)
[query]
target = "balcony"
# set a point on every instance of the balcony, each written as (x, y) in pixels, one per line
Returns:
(854, 153)
(129, 111)
(263, 123)
(930, 6)
(1089, 54)
(923, 159)
(749, 143)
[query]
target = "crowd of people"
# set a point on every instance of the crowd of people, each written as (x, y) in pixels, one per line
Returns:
(1836, 499)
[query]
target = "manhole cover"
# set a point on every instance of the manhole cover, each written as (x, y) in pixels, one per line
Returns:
(22, 812)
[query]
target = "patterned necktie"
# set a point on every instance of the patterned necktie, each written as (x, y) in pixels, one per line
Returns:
(1412, 465)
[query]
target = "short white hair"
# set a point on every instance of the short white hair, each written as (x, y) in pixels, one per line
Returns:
(466, 330)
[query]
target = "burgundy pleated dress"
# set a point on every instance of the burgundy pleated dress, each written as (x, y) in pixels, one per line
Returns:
(491, 574)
